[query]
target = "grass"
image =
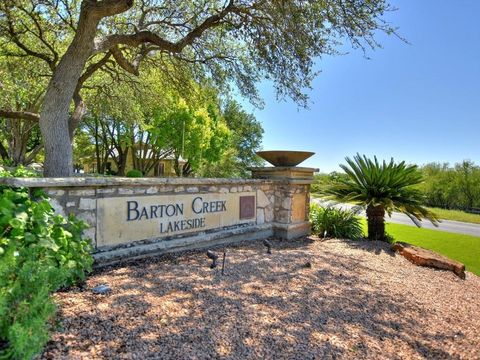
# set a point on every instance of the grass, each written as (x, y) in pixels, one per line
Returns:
(456, 215)
(460, 247)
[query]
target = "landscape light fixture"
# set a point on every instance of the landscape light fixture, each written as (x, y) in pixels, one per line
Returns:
(268, 245)
(223, 263)
(211, 255)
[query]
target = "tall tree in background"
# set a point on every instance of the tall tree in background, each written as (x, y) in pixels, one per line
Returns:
(21, 92)
(141, 119)
(234, 41)
(197, 134)
(248, 133)
(245, 141)
(468, 182)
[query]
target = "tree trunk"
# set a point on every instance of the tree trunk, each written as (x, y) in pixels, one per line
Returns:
(187, 169)
(376, 222)
(122, 161)
(97, 146)
(4, 153)
(54, 116)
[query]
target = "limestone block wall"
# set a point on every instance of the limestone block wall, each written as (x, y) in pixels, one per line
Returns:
(111, 206)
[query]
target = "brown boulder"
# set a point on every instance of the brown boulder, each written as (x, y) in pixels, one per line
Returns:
(423, 257)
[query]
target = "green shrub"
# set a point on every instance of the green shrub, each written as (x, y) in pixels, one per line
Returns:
(134, 173)
(20, 171)
(40, 252)
(333, 222)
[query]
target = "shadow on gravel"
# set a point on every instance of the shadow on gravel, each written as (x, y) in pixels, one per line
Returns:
(265, 307)
(372, 246)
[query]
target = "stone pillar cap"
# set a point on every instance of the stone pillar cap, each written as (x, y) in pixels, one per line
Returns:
(283, 168)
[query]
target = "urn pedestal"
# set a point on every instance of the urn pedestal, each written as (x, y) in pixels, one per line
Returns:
(291, 198)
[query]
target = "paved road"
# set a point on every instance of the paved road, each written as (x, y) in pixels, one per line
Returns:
(446, 225)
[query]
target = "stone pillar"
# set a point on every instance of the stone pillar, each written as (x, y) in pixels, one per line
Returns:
(292, 198)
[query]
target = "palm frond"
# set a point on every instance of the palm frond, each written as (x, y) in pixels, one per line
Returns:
(389, 184)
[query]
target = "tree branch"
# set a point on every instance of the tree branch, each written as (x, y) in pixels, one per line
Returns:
(40, 35)
(91, 70)
(33, 153)
(26, 115)
(77, 115)
(107, 8)
(146, 36)
(16, 40)
(123, 62)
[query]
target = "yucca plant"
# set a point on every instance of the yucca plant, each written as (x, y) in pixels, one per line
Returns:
(381, 188)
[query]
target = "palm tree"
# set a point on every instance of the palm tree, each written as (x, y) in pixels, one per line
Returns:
(381, 188)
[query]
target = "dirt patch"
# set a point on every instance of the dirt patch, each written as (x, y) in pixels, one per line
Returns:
(308, 299)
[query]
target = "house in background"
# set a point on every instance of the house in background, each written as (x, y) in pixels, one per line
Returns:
(164, 167)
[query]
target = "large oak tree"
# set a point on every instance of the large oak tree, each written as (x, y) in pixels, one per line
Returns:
(234, 42)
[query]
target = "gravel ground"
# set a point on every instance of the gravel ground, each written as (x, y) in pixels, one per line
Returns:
(356, 300)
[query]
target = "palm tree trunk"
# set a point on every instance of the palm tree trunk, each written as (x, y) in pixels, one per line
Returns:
(376, 222)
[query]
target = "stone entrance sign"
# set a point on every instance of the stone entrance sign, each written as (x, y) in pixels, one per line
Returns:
(125, 219)
(136, 217)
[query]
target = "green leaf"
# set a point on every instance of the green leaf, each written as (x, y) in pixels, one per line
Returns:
(49, 244)
(16, 223)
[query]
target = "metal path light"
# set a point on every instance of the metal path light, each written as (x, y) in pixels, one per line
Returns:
(214, 257)
(268, 245)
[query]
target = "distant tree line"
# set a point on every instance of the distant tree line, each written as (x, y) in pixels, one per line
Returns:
(444, 186)
(452, 187)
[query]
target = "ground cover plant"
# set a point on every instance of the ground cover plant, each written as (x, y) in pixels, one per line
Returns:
(333, 222)
(40, 252)
(134, 173)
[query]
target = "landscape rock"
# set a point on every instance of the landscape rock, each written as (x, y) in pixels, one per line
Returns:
(101, 289)
(423, 257)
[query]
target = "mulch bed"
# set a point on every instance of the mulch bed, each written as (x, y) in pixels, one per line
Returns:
(354, 300)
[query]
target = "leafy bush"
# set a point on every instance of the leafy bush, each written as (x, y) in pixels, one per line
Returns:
(333, 222)
(134, 173)
(40, 252)
(20, 171)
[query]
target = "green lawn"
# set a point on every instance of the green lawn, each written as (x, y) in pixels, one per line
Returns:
(456, 215)
(463, 248)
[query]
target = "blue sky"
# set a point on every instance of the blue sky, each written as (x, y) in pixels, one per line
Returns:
(418, 102)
